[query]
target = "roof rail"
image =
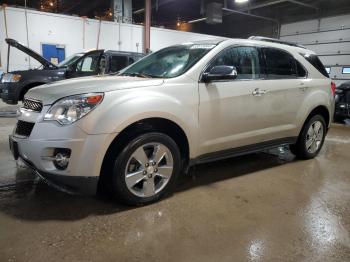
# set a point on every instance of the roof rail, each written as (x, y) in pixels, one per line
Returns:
(274, 40)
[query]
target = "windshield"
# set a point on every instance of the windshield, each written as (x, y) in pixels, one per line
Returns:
(169, 62)
(70, 59)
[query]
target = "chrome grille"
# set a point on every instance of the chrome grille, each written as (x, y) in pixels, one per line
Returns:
(33, 105)
(24, 128)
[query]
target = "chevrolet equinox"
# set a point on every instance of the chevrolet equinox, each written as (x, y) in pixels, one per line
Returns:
(134, 132)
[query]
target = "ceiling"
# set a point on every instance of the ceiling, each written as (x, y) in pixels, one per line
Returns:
(168, 12)
(177, 13)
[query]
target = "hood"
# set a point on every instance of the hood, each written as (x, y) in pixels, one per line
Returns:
(54, 91)
(30, 52)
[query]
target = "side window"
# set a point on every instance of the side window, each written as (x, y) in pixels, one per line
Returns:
(245, 59)
(279, 64)
(131, 60)
(301, 72)
(117, 63)
(88, 63)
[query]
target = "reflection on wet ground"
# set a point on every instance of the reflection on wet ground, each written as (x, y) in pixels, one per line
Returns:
(261, 207)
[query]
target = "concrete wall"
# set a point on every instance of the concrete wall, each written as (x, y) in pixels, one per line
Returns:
(329, 37)
(69, 31)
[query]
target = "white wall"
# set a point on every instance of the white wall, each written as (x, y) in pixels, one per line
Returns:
(68, 31)
(328, 37)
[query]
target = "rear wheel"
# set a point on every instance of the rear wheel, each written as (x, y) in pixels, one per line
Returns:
(311, 139)
(146, 169)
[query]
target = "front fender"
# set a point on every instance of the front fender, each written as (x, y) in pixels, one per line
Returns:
(122, 108)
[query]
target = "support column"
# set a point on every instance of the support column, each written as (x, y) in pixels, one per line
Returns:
(147, 31)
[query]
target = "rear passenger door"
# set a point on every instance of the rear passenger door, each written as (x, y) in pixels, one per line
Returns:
(285, 79)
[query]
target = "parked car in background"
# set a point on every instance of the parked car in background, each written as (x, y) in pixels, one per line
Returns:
(14, 85)
(342, 102)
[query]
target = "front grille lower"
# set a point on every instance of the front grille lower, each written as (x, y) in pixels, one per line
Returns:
(24, 128)
(33, 105)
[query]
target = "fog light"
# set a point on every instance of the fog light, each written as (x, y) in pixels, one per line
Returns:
(61, 158)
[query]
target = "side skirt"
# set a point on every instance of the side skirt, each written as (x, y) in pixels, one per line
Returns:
(244, 150)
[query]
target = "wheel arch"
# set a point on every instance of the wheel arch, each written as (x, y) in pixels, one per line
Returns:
(320, 110)
(154, 124)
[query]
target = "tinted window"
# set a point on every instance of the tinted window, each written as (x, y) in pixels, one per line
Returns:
(117, 63)
(279, 64)
(301, 72)
(316, 62)
(245, 59)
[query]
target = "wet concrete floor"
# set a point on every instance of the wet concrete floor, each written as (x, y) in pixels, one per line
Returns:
(261, 207)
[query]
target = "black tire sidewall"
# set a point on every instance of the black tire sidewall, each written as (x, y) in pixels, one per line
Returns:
(120, 189)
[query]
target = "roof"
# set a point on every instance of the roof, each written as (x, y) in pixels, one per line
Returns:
(123, 53)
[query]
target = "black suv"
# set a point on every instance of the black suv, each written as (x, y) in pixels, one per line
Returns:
(342, 102)
(15, 84)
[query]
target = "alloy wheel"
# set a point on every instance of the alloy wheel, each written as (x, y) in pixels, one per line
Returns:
(149, 169)
(314, 137)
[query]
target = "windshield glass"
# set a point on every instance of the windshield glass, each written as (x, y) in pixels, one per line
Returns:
(70, 59)
(169, 62)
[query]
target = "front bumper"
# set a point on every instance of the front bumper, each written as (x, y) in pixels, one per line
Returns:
(10, 92)
(85, 161)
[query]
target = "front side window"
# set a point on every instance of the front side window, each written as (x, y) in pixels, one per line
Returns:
(169, 62)
(244, 59)
(279, 64)
(88, 63)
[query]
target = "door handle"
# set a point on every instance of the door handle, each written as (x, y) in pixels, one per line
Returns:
(258, 92)
(303, 88)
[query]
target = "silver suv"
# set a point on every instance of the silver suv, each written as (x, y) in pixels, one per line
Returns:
(188, 104)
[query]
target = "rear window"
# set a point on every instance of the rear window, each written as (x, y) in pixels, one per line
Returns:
(316, 62)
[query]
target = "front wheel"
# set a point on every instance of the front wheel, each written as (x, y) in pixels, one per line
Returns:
(146, 169)
(311, 138)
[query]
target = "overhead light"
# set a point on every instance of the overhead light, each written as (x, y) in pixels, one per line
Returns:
(241, 1)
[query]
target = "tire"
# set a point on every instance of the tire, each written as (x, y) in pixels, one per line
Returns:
(142, 172)
(311, 138)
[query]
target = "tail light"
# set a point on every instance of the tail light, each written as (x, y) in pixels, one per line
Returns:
(333, 87)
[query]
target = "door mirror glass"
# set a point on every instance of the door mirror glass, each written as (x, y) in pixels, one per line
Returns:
(221, 72)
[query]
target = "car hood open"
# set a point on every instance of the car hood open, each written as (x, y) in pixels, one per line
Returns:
(30, 52)
(54, 91)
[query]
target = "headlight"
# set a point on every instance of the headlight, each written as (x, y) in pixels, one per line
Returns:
(10, 78)
(70, 109)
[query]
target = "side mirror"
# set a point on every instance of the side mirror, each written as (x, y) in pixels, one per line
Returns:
(220, 73)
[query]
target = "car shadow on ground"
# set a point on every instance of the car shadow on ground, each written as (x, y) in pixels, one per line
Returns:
(33, 199)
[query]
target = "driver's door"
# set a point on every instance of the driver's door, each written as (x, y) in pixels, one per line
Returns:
(230, 115)
(87, 65)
